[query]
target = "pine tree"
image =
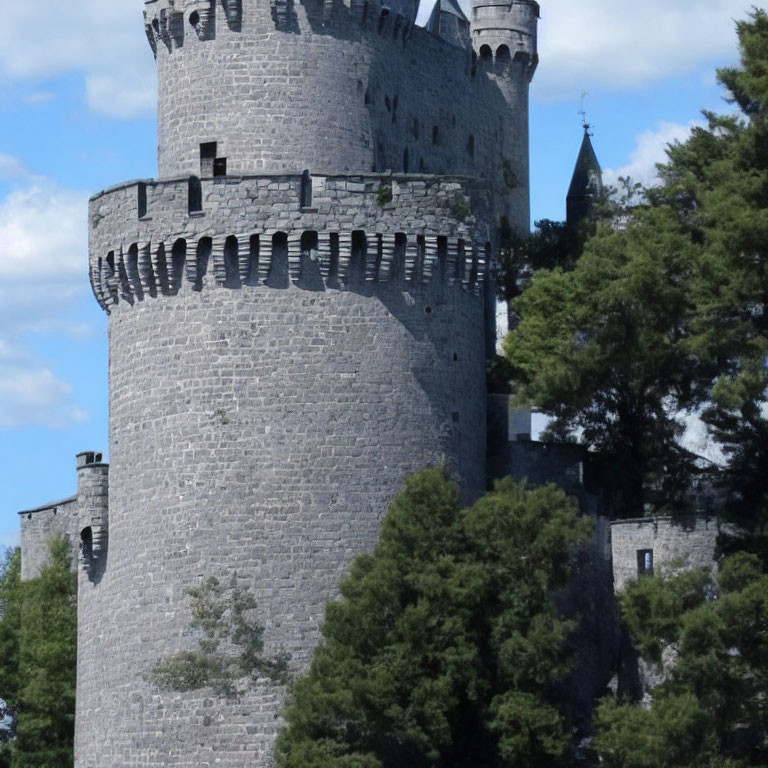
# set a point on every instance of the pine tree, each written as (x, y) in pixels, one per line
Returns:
(446, 641)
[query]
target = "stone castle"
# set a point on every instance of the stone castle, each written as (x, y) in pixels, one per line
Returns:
(300, 311)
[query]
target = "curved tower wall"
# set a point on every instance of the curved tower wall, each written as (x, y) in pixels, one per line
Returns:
(285, 347)
(259, 431)
(335, 89)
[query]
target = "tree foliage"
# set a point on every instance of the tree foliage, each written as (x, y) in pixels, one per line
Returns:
(38, 651)
(445, 642)
(230, 647)
(666, 309)
(713, 709)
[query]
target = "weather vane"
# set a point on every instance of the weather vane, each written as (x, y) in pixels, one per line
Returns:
(583, 111)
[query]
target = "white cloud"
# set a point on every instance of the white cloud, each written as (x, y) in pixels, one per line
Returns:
(103, 40)
(650, 150)
(624, 44)
(43, 258)
(31, 394)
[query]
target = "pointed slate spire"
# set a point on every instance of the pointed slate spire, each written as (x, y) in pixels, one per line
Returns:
(448, 21)
(586, 184)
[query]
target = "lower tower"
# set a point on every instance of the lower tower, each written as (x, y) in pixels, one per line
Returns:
(270, 388)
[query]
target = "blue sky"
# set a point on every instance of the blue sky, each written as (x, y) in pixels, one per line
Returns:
(77, 101)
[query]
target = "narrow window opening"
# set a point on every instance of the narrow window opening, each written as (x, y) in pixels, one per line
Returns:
(220, 166)
(474, 64)
(310, 279)
(644, 562)
(278, 272)
(398, 258)
(207, 157)
(178, 260)
(204, 248)
(383, 18)
(486, 54)
(306, 190)
(358, 258)
(415, 128)
(195, 195)
(394, 108)
(133, 271)
(86, 544)
(232, 263)
(455, 357)
(405, 161)
(142, 199)
(253, 261)
(442, 258)
(435, 135)
(471, 145)
(387, 104)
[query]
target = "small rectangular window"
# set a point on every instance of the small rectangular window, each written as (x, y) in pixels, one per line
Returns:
(644, 561)
(207, 157)
(220, 166)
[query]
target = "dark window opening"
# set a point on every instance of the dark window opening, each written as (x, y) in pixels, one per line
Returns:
(194, 18)
(278, 272)
(503, 55)
(394, 109)
(455, 357)
(486, 54)
(207, 157)
(195, 195)
(367, 96)
(474, 63)
(435, 135)
(387, 104)
(178, 260)
(405, 161)
(132, 268)
(253, 261)
(220, 166)
(305, 196)
(383, 18)
(644, 562)
(232, 262)
(359, 257)
(142, 199)
(456, 417)
(86, 543)
(204, 248)
(415, 128)
(471, 145)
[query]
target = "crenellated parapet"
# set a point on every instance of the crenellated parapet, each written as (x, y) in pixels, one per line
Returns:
(151, 238)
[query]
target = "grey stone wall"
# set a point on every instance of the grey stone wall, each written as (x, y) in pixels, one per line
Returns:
(686, 541)
(258, 432)
(337, 89)
(39, 526)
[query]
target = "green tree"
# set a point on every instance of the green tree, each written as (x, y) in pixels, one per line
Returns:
(47, 665)
(668, 311)
(446, 640)
(602, 348)
(10, 625)
(713, 709)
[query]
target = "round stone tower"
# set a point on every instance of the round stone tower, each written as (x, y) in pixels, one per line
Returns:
(296, 324)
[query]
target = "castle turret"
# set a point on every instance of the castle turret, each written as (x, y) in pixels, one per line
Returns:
(504, 39)
(296, 324)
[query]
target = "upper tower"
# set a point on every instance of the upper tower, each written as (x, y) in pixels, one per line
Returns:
(504, 30)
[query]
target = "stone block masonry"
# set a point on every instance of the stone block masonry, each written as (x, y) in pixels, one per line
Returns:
(298, 321)
(653, 543)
